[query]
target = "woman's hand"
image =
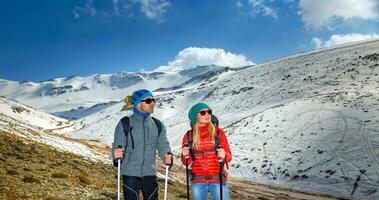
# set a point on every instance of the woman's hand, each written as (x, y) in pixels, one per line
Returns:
(185, 152)
(221, 153)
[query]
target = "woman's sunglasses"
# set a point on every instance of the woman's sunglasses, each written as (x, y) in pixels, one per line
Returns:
(203, 112)
(148, 101)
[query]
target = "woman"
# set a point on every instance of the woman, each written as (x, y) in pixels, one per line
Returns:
(204, 146)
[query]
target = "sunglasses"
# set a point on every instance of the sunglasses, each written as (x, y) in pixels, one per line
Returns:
(203, 112)
(148, 101)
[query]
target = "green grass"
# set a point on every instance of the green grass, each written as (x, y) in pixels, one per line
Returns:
(31, 170)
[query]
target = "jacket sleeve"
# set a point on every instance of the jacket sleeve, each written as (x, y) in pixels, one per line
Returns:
(225, 145)
(163, 145)
(119, 138)
(184, 142)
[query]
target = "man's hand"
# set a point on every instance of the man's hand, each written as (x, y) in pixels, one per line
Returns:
(118, 153)
(168, 159)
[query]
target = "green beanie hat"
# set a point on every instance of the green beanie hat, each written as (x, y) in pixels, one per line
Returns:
(192, 114)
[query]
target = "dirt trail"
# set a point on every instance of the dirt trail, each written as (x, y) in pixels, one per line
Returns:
(244, 189)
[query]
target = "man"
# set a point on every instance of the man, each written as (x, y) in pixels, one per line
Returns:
(139, 143)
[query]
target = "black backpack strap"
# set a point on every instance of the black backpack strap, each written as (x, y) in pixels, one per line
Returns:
(189, 140)
(158, 124)
(127, 129)
(217, 139)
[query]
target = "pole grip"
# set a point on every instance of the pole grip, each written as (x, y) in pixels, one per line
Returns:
(119, 147)
(118, 178)
(220, 160)
(187, 156)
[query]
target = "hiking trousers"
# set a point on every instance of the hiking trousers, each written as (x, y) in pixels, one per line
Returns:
(147, 184)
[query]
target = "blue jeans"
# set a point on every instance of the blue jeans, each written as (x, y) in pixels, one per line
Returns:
(200, 191)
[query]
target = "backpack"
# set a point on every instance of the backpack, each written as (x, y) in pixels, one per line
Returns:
(128, 129)
(190, 139)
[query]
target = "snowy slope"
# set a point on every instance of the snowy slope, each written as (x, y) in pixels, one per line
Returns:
(24, 121)
(308, 121)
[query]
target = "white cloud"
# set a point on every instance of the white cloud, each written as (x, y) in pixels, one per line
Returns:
(342, 39)
(239, 4)
(88, 9)
(319, 13)
(316, 42)
(260, 8)
(152, 9)
(116, 4)
(194, 56)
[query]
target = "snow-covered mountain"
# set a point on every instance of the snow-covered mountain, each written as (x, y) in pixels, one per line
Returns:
(76, 93)
(308, 121)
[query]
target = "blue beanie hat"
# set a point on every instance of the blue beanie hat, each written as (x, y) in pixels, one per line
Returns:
(139, 95)
(192, 114)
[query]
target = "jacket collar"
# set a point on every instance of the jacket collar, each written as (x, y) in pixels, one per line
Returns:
(140, 113)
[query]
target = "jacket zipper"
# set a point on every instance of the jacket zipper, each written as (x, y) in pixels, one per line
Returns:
(144, 143)
(131, 136)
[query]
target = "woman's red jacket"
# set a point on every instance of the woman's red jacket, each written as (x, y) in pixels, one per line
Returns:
(206, 164)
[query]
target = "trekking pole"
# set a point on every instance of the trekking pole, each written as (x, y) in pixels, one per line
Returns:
(221, 168)
(165, 184)
(187, 175)
(118, 175)
(221, 179)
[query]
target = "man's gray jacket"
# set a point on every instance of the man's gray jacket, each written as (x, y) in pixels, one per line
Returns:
(140, 160)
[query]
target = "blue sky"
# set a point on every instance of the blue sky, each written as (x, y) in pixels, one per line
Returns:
(45, 39)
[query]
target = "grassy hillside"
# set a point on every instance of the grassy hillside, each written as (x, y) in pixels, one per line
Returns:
(37, 171)
(31, 170)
